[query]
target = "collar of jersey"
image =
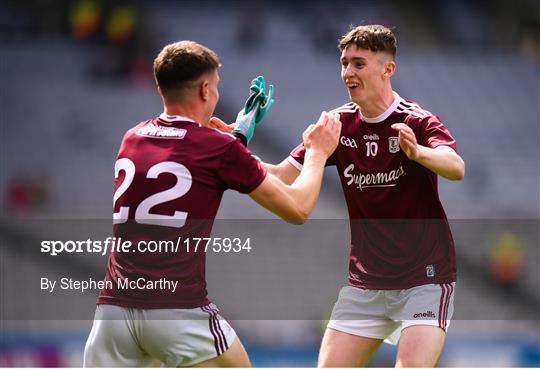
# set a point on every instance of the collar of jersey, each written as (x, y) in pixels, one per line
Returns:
(386, 113)
(175, 118)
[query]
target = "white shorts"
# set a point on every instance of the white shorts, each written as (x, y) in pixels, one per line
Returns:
(383, 314)
(131, 337)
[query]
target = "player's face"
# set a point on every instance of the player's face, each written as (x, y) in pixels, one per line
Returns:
(363, 72)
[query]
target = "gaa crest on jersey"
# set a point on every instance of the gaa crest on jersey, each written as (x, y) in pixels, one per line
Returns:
(348, 142)
(430, 270)
(393, 144)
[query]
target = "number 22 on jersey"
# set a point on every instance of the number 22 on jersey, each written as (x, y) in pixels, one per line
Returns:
(142, 212)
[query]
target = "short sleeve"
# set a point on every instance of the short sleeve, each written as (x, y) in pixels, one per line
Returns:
(240, 170)
(296, 157)
(434, 134)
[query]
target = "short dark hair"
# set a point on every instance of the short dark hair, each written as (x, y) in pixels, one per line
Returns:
(182, 62)
(372, 37)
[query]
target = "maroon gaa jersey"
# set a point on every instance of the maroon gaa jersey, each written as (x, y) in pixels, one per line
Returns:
(400, 236)
(170, 173)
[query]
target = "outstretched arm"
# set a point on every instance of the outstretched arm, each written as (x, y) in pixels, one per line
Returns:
(442, 160)
(252, 113)
(295, 202)
(285, 171)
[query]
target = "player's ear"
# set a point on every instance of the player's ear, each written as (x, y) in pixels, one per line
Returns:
(389, 68)
(204, 89)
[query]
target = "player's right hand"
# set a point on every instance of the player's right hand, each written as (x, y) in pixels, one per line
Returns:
(220, 125)
(324, 135)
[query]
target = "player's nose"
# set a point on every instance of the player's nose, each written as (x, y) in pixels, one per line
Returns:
(347, 72)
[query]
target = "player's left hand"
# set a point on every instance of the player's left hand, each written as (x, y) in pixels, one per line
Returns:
(407, 140)
(254, 110)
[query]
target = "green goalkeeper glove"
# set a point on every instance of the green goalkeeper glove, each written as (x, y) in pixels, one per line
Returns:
(254, 110)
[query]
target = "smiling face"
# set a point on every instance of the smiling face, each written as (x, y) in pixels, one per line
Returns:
(366, 73)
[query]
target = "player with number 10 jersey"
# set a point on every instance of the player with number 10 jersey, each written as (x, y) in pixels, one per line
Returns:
(399, 233)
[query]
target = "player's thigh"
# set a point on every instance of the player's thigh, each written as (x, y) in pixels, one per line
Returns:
(111, 342)
(186, 337)
(420, 346)
(356, 329)
(235, 357)
(340, 349)
(425, 305)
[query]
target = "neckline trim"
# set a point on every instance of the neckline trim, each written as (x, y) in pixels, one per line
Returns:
(175, 118)
(387, 112)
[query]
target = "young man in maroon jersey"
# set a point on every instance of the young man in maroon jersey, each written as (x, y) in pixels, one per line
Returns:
(171, 172)
(402, 267)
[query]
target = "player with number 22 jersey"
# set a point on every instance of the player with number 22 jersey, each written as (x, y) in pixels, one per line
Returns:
(195, 165)
(170, 175)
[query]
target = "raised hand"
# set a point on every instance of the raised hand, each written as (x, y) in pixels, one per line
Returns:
(254, 110)
(218, 124)
(324, 135)
(407, 140)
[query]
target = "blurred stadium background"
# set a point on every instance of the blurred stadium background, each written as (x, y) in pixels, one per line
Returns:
(75, 75)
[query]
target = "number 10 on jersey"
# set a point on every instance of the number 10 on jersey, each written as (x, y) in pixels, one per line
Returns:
(371, 148)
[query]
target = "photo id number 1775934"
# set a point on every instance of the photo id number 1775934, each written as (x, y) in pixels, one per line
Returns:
(217, 244)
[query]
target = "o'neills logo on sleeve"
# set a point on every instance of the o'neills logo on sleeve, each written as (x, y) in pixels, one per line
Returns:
(366, 180)
(151, 130)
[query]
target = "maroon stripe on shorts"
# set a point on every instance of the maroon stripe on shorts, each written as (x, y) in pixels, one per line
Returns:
(447, 304)
(441, 305)
(211, 326)
(220, 331)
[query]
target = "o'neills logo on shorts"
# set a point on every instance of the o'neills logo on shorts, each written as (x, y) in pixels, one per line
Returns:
(382, 179)
(161, 132)
(427, 314)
